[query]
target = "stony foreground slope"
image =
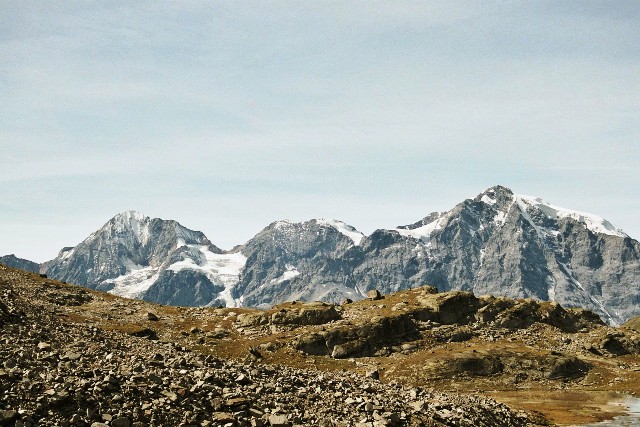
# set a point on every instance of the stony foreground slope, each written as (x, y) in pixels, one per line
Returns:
(71, 356)
(417, 357)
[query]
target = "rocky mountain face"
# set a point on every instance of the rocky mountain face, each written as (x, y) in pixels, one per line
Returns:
(497, 243)
(305, 261)
(22, 264)
(139, 257)
(505, 244)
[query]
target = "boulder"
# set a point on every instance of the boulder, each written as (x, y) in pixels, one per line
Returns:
(524, 313)
(567, 368)
(307, 314)
(456, 307)
(374, 295)
(250, 319)
(312, 344)
(279, 421)
(472, 364)
(362, 339)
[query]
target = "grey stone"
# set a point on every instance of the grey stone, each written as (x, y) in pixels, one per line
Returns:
(223, 417)
(121, 422)
(7, 416)
(279, 421)
(373, 373)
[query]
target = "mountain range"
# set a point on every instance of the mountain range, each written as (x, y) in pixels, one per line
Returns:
(497, 243)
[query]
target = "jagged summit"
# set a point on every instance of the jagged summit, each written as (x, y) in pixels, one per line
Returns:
(129, 219)
(287, 226)
(536, 206)
(495, 195)
(130, 222)
(131, 215)
(343, 228)
(137, 225)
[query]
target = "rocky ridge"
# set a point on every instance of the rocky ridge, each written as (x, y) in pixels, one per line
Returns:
(23, 264)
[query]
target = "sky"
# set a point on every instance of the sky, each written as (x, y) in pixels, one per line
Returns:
(229, 115)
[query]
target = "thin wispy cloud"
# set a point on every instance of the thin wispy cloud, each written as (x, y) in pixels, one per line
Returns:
(229, 115)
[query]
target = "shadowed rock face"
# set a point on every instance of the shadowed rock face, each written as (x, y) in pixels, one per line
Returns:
(284, 251)
(22, 264)
(184, 288)
(359, 340)
(497, 243)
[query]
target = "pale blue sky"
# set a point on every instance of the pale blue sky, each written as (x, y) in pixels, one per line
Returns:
(229, 115)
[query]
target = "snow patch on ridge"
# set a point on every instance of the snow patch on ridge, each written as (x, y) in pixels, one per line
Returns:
(593, 222)
(488, 200)
(65, 253)
(423, 232)
(282, 224)
(134, 283)
(343, 228)
(224, 269)
(501, 215)
(500, 218)
(523, 205)
(288, 274)
(136, 222)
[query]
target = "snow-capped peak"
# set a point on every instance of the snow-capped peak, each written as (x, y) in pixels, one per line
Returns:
(281, 224)
(593, 222)
(495, 195)
(132, 221)
(127, 218)
(132, 214)
(343, 228)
